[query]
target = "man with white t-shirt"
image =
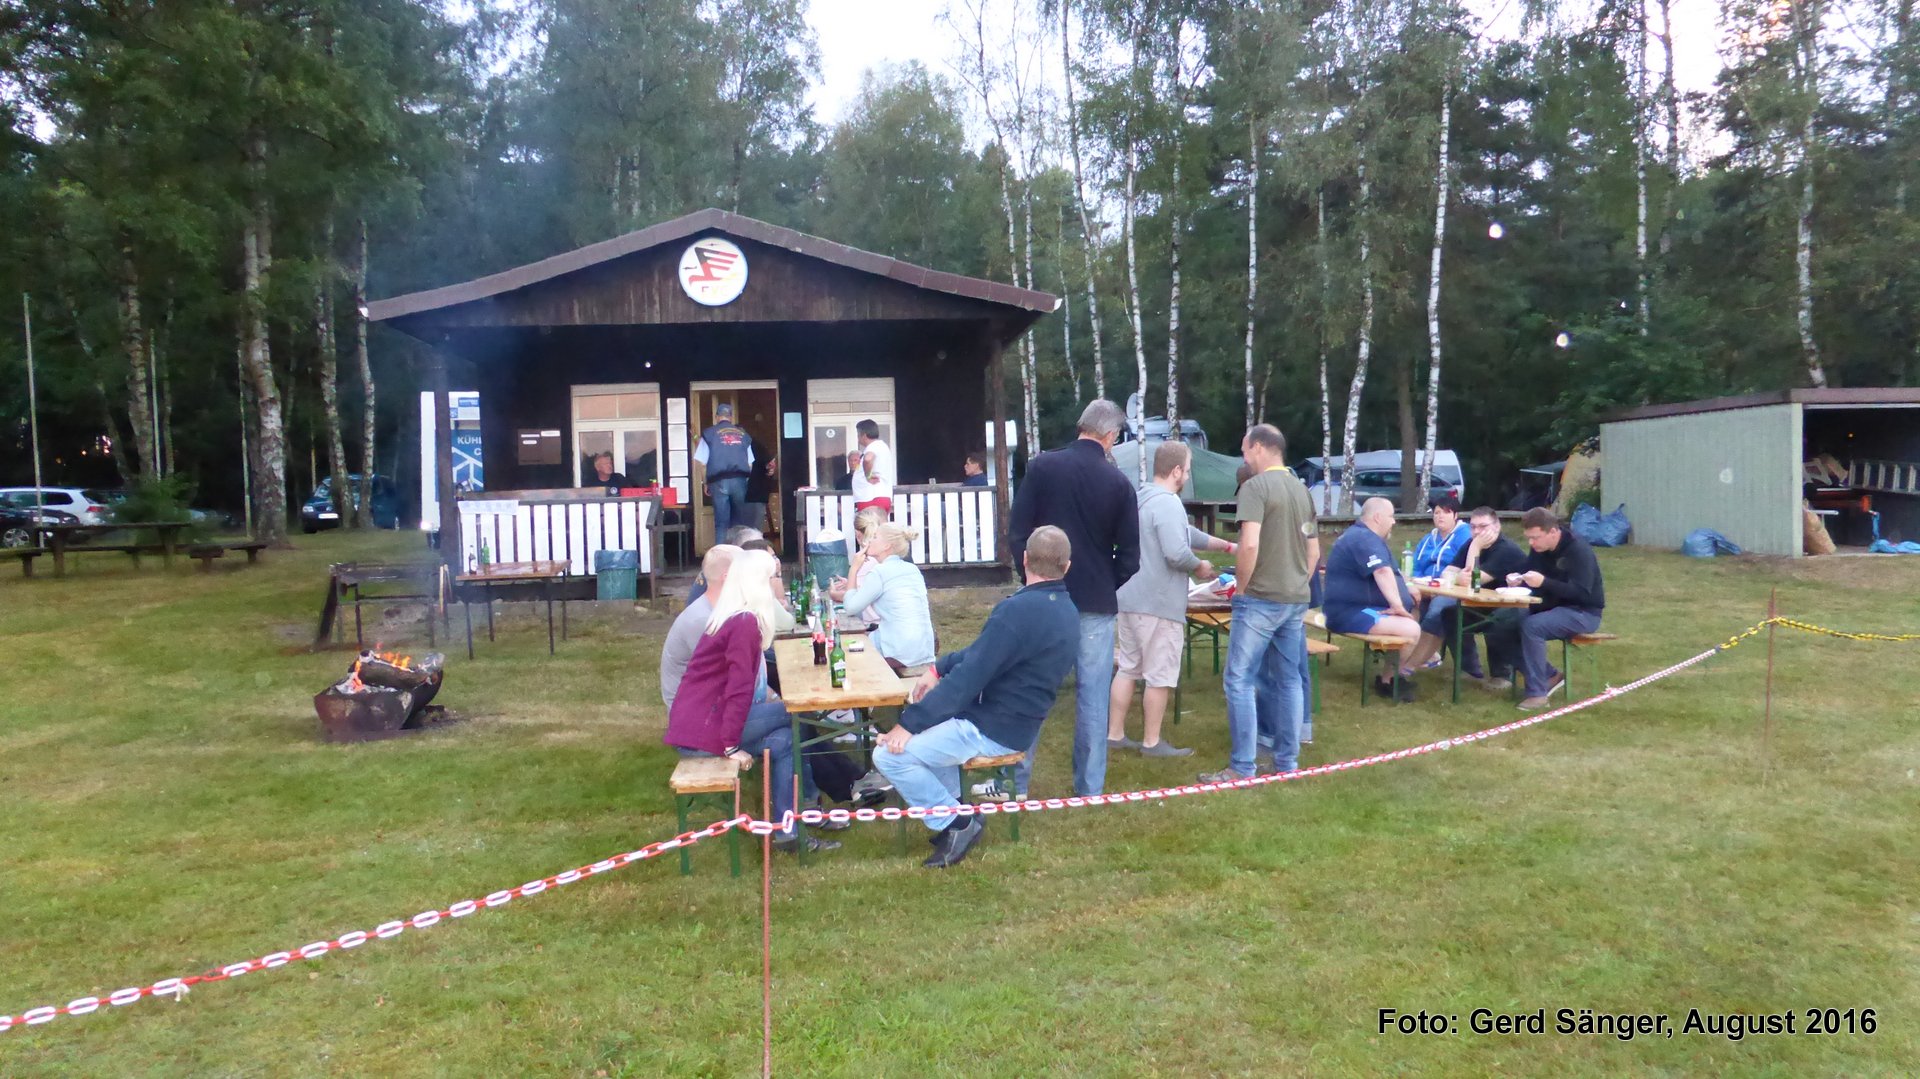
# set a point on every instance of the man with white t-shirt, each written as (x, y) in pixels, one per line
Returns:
(872, 468)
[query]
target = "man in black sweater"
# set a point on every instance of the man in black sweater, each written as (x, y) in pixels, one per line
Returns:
(1564, 573)
(986, 700)
(1078, 490)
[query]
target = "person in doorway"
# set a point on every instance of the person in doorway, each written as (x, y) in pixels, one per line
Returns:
(1278, 548)
(725, 450)
(872, 468)
(974, 469)
(761, 486)
(603, 474)
(1077, 490)
(1150, 632)
(987, 699)
(1563, 571)
(1365, 591)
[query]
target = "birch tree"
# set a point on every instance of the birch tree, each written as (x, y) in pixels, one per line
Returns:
(1090, 232)
(1442, 185)
(363, 363)
(1805, 19)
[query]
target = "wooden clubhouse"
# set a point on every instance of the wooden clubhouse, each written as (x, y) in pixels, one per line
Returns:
(628, 345)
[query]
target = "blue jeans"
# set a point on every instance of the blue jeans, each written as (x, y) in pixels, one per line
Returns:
(767, 730)
(1268, 697)
(1439, 621)
(1262, 628)
(927, 772)
(1092, 692)
(1536, 630)
(729, 504)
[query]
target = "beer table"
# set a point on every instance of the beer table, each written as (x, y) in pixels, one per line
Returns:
(1472, 597)
(545, 574)
(807, 690)
(1209, 618)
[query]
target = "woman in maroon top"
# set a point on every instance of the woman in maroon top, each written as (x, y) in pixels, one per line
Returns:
(723, 707)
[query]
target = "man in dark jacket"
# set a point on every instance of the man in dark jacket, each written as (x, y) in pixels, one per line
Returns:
(1564, 573)
(986, 699)
(1078, 490)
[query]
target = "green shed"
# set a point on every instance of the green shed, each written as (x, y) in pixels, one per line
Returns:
(1748, 467)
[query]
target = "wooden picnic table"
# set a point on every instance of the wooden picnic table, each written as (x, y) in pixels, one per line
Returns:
(1211, 617)
(546, 574)
(1471, 597)
(60, 537)
(807, 690)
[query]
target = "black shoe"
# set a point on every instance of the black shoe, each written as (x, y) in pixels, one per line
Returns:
(1385, 686)
(871, 798)
(953, 843)
(813, 842)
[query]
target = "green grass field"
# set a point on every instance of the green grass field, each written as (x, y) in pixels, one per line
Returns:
(166, 807)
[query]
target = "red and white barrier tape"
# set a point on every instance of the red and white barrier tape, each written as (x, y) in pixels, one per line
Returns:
(177, 988)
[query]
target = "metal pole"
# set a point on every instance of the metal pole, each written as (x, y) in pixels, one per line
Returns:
(1766, 722)
(766, 920)
(33, 400)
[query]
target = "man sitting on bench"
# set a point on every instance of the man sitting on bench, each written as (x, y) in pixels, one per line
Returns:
(1366, 595)
(1564, 573)
(987, 697)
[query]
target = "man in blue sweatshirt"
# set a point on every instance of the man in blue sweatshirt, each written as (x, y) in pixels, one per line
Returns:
(987, 699)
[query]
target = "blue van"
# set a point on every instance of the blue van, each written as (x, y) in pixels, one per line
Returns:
(318, 513)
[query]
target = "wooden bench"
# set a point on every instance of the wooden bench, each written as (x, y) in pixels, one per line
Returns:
(1377, 645)
(26, 555)
(713, 781)
(1314, 648)
(1578, 640)
(252, 547)
(205, 553)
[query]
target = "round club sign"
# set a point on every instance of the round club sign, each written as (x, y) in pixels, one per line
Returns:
(713, 272)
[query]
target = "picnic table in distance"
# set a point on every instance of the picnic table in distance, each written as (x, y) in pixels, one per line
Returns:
(60, 537)
(546, 574)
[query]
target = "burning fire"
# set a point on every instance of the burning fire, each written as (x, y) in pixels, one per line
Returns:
(354, 684)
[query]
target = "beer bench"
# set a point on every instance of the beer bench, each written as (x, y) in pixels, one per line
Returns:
(26, 555)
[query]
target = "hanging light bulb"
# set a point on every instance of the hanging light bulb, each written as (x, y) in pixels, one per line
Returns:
(1496, 230)
(1562, 340)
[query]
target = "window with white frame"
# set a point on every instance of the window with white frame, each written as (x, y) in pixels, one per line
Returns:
(834, 405)
(623, 420)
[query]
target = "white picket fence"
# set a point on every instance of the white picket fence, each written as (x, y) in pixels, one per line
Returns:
(956, 524)
(569, 530)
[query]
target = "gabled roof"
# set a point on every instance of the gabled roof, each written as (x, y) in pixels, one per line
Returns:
(712, 220)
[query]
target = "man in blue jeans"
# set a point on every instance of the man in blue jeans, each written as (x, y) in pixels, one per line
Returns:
(1279, 546)
(986, 698)
(1077, 490)
(725, 450)
(1562, 569)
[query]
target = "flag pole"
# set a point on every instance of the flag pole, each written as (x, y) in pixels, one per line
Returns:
(33, 401)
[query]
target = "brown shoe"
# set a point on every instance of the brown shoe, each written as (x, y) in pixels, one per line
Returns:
(1533, 704)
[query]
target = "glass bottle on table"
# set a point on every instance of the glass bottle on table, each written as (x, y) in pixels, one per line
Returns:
(837, 664)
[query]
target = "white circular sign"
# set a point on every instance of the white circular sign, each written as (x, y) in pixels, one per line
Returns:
(713, 272)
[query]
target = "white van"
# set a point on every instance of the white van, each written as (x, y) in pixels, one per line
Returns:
(1377, 474)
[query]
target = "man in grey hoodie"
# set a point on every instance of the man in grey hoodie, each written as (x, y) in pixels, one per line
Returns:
(1149, 636)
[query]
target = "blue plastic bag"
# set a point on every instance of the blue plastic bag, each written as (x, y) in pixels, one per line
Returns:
(1602, 529)
(1706, 543)
(1880, 546)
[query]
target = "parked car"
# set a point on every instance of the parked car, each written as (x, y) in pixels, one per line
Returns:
(77, 504)
(318, 512)
(1377, 474)
(1156, 428)
(214, 519)
(20, 525)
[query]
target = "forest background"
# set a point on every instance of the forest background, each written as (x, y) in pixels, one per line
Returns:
(1375, 223)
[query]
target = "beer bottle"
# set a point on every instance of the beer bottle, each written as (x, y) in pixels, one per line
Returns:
(837, 664)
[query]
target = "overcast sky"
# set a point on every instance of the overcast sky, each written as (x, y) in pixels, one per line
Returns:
(856, 35)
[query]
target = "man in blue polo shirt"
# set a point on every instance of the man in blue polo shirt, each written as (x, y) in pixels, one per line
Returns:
(1365, 592)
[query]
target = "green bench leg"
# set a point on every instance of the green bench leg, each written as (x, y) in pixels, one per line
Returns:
(683, 805)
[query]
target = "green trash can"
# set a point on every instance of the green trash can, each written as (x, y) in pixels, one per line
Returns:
(827, 560)
(616, 574)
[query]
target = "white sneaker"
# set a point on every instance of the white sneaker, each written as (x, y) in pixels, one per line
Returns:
(989, 791)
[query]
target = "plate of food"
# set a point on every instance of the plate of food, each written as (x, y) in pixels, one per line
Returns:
(1513, 592)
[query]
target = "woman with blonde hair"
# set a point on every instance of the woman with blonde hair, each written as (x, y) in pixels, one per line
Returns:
(723, 708)
(896, 593)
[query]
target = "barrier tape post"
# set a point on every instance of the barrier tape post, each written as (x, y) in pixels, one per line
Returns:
(766, 912)
(1766, 715)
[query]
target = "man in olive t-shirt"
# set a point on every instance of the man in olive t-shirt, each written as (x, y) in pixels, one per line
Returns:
(1279, 546)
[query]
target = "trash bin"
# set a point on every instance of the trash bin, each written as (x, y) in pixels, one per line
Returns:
(827, 559)
(616, 574)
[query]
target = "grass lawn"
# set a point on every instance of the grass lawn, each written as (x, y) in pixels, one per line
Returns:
(166, 807)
